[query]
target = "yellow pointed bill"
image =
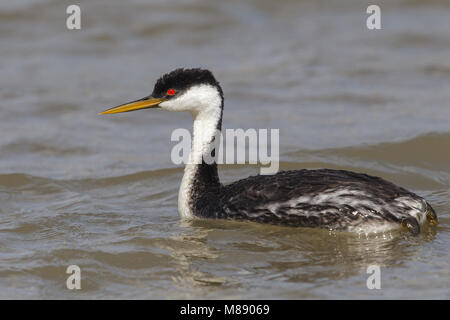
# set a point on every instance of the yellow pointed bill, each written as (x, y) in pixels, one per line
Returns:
(147, 102)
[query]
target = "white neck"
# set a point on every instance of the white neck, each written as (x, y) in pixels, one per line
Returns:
(206, 115)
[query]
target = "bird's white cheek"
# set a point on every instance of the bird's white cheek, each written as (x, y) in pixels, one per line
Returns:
(178, 104)
(196, 99)
(170, 105)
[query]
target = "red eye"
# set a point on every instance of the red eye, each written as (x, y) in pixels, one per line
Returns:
(170, 92)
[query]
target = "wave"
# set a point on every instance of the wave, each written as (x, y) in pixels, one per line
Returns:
(425, 158)
(430, 150)
(17, 180)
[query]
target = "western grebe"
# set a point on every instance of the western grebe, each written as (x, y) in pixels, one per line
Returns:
(325, 198)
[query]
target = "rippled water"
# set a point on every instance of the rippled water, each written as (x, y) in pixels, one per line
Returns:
(101, 192)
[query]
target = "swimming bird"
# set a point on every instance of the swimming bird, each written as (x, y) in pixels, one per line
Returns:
(324, 198)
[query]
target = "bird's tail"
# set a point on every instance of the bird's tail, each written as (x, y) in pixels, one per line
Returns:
(431, 215)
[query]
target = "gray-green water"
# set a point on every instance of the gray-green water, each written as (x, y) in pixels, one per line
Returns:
(101, 192)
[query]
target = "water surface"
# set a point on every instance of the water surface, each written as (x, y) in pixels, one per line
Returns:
(101, 192)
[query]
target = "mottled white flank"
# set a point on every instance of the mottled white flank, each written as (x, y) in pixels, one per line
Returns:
(374, 227)
(357, 198)
(204, 104)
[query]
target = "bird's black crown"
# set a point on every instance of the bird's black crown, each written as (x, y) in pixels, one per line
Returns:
(182, 79)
